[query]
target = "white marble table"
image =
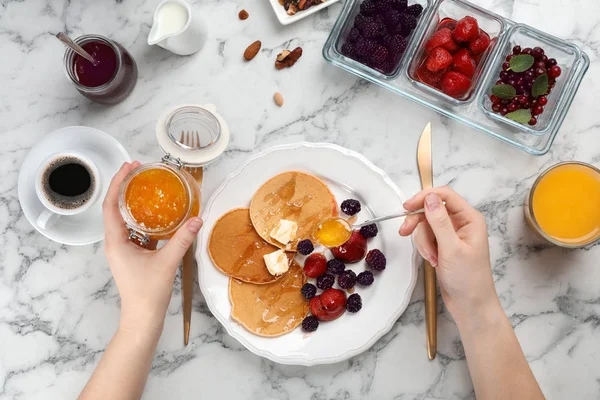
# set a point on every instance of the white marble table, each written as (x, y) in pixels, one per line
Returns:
(59, 305)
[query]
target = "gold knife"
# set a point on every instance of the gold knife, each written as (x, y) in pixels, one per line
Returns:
(426, 173)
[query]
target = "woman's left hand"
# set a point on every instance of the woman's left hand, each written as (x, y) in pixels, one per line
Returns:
(143, 277)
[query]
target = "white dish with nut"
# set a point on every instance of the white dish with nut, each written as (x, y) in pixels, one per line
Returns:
(297, 9)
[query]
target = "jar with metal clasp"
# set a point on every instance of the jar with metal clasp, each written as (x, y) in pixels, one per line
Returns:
(157, 198)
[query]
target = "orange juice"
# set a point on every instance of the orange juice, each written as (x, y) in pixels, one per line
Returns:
(564, 204)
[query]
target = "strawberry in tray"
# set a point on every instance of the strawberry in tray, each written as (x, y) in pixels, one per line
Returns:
(452, 55)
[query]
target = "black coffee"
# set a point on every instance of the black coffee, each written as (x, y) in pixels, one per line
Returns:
(68, 183)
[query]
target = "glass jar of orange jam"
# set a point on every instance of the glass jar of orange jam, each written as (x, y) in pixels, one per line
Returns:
(156, 199)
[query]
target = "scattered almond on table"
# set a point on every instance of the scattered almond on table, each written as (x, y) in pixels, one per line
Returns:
(252, 50)
(278, 98)
(288, 58)
(243, 15)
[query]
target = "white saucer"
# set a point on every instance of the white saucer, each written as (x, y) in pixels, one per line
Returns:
(108, 155)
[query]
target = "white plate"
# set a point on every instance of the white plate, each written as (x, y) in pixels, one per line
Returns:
(287, 19)
(108, 155)
(349, 175)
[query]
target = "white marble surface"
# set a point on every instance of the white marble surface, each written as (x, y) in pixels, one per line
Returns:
(59, 305)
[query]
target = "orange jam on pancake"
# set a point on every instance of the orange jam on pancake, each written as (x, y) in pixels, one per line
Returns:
(333, 232)
(293, 196)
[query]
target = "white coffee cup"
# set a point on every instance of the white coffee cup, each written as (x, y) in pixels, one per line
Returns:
(53, 212)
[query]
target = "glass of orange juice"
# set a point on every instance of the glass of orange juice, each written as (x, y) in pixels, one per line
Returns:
(563, 205)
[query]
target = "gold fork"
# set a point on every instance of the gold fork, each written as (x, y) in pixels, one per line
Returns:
(191, 139)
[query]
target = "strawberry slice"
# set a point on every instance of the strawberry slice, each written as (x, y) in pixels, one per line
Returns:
(315, 265)
(428, 77)
(481, 44)
(329, 305)
(354, 250)
(463, 63)
(442, 38)
(467, 29)
(439, 59)
(455, 84)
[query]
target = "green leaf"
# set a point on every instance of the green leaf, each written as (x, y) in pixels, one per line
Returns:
(521, 63)
(504, 91)
(540, 86)
(521, 116)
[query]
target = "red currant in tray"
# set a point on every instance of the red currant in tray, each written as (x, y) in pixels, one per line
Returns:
(526, 80)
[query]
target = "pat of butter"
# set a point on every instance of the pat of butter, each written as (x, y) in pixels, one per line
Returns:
(285, 231)
(277, 262)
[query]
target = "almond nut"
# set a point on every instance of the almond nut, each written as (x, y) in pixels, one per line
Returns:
(252, 50)
(278, 98)
(243, 15)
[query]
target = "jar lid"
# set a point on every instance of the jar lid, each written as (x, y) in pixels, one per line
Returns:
(194, 134)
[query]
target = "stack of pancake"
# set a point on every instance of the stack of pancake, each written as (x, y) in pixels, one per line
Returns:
(265, 304)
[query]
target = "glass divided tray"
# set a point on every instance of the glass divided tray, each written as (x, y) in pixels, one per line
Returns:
(475, 107)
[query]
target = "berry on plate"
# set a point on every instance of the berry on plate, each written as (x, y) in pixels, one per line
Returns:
(455, 84)
(467, 29)
(305, 247)
(347, 279)
(325, 281)
(309, 291)
(463, 63)
(365, 278)
(442, 38)
(376, 260)
(329, 305)
(369, 231)
(439, 59)
(353, 250)
(310, 324)
(315, 265)
(481, 44)
(354, 303)
(350, 207)
(335, 266)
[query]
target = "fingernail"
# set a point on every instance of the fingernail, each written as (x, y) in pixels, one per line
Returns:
(136, 164)
(432, 201)
(194, 225)
(411, 199)
(432, 260)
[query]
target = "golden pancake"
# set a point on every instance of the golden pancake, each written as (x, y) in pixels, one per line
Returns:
(294, 196)
(236, 249)
(270, 310)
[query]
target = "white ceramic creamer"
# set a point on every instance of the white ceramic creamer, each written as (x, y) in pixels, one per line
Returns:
(176, 28)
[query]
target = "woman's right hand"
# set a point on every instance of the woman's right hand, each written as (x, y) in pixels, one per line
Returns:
(454, 240)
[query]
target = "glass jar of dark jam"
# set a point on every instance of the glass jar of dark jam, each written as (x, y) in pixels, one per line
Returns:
(108, 82)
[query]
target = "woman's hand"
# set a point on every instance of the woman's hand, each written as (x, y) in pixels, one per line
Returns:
(453, 238)
(143, 277)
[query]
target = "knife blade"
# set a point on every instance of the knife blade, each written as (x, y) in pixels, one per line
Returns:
(425, 165)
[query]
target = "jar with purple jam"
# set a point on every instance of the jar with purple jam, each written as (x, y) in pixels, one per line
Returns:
(108, 82)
